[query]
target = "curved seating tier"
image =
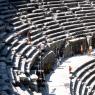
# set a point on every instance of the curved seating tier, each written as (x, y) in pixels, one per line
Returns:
(82, 82)
(45, 20)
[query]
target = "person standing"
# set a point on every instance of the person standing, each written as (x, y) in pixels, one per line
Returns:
(29, 38)
(70, 69)
(58, 56)
(90, 50)
(81, 49)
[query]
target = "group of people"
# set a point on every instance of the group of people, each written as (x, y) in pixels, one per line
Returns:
(60, 55)
(82, 51)
(43, 47)
(89, 49)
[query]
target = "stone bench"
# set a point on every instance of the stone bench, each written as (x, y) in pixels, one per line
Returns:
(79, 74)
(31, 61)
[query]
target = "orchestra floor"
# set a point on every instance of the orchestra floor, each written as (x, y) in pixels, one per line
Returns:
(58, 80)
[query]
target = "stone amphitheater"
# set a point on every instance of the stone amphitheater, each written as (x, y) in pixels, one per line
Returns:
(67, 26)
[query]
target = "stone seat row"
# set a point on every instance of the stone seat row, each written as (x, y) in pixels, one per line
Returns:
(83, 78)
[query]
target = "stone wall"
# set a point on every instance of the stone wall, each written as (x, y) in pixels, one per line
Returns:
(57, 44)
(49, 60)
(73, 46)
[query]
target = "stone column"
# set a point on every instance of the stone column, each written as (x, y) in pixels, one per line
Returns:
(89, 40)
